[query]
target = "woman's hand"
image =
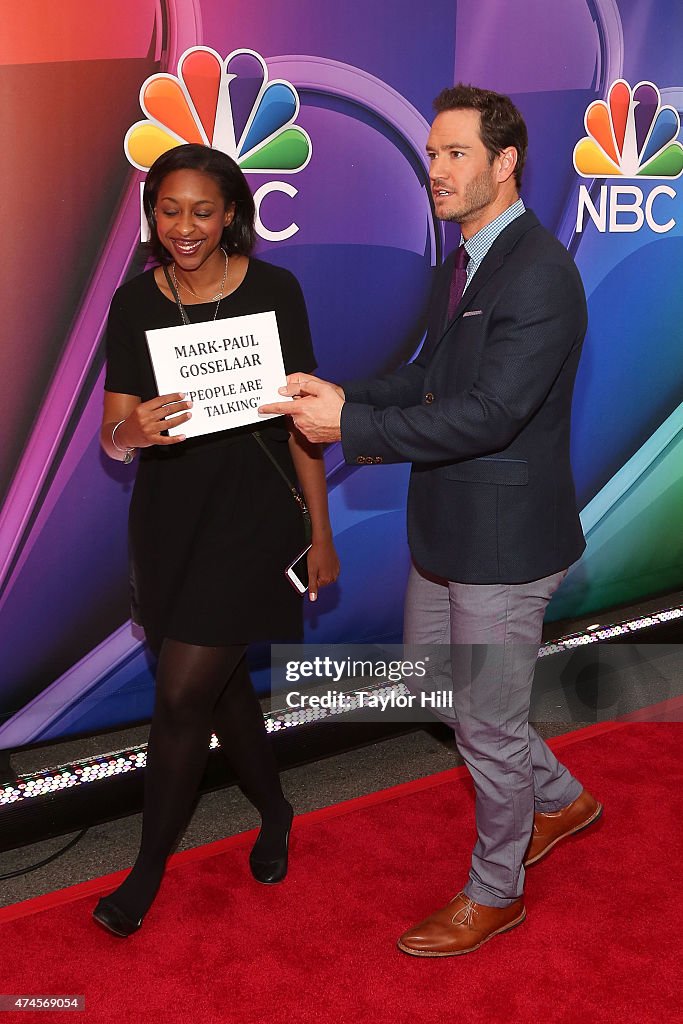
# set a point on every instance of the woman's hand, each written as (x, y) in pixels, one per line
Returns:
(143, 426)
(323, 566)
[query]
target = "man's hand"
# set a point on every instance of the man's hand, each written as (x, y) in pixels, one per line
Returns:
(316, 409)
(296, 382)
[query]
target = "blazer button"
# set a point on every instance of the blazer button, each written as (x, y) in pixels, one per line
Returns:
(429, 398)
(361, 460)
(377, 459)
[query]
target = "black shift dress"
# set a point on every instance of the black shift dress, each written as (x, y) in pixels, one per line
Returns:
(212, 525)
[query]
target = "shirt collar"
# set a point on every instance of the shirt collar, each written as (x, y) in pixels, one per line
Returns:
(478, 245)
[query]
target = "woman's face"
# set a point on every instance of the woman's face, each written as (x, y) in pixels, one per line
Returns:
(190, 217)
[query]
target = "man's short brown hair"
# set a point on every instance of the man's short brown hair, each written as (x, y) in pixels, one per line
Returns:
(501, 124)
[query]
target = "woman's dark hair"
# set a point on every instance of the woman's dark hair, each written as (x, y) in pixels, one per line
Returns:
(238, 237)
(501, 124)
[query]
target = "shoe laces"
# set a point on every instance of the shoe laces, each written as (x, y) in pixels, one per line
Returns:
(465, 915)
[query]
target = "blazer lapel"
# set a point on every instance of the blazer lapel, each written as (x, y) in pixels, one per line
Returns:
(493, 260)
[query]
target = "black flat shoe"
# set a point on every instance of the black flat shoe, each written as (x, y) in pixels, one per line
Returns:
(273, 870)
(114, 920)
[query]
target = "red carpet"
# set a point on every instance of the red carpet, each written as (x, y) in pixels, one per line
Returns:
(601, 944)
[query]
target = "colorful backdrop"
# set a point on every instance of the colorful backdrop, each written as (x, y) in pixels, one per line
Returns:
(340, 176)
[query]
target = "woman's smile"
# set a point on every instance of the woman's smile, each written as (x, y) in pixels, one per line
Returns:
(187, 246)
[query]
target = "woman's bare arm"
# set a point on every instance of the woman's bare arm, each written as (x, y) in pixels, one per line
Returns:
(323, 563)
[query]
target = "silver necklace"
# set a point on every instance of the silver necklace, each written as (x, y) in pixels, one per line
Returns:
(214, 298)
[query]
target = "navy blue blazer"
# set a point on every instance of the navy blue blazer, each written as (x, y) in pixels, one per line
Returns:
(483, 414)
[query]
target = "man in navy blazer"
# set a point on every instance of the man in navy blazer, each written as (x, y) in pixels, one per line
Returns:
(483, 415)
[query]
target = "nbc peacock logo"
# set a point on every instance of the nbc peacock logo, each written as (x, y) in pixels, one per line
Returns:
(630, 135)
(229, 104)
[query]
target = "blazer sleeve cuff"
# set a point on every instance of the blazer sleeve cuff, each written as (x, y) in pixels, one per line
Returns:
(354, 390)
(360, 442)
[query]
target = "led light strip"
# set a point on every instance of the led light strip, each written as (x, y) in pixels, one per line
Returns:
(52, 780)
(595, 634)
(67, 776)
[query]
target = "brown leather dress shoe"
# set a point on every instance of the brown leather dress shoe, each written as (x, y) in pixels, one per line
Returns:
(460, 927)
(550, 828)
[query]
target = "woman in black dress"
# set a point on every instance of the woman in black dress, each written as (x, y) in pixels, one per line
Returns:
(212, 524)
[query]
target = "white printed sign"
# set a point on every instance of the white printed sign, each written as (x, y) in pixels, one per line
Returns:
(228, 368)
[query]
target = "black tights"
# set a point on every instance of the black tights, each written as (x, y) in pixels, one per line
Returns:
(199, 690)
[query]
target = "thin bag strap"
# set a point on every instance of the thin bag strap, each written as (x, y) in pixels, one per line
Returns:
(295, 493)
(298, 498)
(174, 293)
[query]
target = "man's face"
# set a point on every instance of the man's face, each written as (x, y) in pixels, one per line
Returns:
(464, 183)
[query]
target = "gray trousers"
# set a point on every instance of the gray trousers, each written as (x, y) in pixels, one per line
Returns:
(494, 633)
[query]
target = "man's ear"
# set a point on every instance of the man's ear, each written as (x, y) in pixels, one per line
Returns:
(507, 163)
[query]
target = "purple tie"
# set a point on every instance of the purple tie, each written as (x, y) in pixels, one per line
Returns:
(458, 281)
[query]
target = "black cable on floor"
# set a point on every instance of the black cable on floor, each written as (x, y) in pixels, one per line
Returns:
(42, 863)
